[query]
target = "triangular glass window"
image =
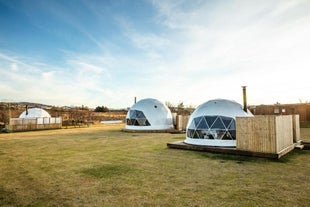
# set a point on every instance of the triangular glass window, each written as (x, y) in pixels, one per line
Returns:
(196, 121)
(132, 114)
(232, 125)
(192, 125)
(190, 133)
(226, 121)
(210, 120)
(141, 122)
(135, 122)
(140, 114)
(202, 124)
(147, 123)
(227, 136)
(218, 124)
(205, 118)
(196, 135)
(220, 134)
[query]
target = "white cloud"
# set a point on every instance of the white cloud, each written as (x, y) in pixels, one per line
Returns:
(260, 44)
(14, 67)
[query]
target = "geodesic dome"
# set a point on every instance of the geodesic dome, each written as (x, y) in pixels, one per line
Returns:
(34, 113)
(149, 114)
(213, 123)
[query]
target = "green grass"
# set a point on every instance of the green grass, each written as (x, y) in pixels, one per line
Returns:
(107, 171)
(102, 166)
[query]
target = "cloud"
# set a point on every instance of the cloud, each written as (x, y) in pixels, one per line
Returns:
(223, 46)
(189, 51)
(14, 67)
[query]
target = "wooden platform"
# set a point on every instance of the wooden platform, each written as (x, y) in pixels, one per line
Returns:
(306, 145)
(173, 131)
(233, 151)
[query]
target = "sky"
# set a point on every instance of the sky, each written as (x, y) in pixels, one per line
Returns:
(106, 52)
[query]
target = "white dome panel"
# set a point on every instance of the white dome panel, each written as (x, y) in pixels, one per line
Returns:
(34, 113)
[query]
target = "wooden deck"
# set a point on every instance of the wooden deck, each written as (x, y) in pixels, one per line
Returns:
(173, 131)
(233, 151)
(306, 145)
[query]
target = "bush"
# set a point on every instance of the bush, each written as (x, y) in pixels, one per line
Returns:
(101, 109)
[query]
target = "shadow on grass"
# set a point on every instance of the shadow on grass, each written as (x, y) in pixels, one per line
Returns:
(108, 171)
(240, 159)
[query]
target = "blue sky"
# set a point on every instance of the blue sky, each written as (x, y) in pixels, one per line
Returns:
(88, 52)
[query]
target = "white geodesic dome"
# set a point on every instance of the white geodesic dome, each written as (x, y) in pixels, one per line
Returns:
(213, 123)
(34, 113)
(149, 114)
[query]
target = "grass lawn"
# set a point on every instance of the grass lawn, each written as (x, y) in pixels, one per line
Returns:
(102, 166)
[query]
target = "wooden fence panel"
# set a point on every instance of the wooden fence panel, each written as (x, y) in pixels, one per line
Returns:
(20, 124)
(296, 128)
(181, 122)
(284, 132)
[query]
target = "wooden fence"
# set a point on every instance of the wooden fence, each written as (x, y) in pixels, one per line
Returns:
(266, 133)
(181, 122)
(20, 124)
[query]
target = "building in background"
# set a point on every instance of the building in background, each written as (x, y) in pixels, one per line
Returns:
(303, 109)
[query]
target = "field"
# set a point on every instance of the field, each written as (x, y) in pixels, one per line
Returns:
(102, 166)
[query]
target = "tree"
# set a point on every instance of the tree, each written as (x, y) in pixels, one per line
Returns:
(181, 105)
(101, 109)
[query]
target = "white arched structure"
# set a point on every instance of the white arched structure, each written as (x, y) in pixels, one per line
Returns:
(213, 123)
(34, 113)
(149, 114)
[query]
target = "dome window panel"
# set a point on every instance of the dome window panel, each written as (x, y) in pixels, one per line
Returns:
(210, 120)
(132, 114)
(141, 122)
(139, 114)
(202, 124)
(196, 121)
(196, 135)
(201, 134)
(218, 124)
(192, 125)
(190, 133)
(227, 121)
(232, 125)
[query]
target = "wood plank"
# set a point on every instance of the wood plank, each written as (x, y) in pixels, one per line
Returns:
(232, 151)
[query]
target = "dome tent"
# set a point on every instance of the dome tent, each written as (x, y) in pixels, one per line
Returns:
(149, 114)
(34, 113)
(213, 123)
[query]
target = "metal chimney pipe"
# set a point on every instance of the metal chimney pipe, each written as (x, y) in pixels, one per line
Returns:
(135, 99)
(245, 108)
